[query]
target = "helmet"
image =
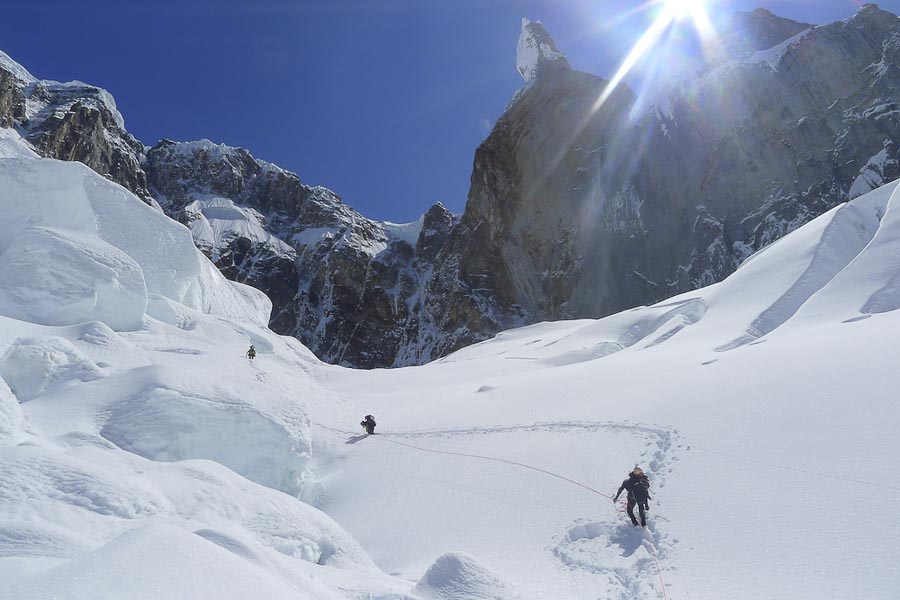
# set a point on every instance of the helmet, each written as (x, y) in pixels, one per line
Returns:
(637, 471)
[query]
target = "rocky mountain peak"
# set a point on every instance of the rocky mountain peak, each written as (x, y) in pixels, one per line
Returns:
(537, 52)
(871, 12)
(759, 29)
(71, 121)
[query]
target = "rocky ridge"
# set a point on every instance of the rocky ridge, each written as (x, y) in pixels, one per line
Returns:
(573, 211)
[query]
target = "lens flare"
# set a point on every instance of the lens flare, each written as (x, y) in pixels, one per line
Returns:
(672, 11)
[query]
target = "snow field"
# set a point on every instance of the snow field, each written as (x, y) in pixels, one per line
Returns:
(143, 456)
(418, 500)
(775, 388)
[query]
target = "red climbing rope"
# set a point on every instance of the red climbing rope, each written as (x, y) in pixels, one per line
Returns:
(544, 471)
(656, 562)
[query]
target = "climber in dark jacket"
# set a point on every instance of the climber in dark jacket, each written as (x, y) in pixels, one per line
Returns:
(368, 424)
(638, 487)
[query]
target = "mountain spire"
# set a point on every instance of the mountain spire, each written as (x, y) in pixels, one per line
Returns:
(537, 51)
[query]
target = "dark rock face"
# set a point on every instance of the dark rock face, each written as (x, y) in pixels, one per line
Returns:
(343, 284)
(576, 208)
(88, 131)
(71, 121)
(12, 100)
(576, 213)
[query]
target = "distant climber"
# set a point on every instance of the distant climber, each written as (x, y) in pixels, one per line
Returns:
(368, 424)
(251, 353)
(638, 487)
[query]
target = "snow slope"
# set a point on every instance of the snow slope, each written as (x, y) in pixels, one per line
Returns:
(143, 456)
(762, 407)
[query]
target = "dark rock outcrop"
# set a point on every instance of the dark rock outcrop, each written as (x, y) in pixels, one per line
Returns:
(576, 211)
(72, 121)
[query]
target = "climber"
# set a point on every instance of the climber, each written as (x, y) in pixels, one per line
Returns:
(368, 424)
(638, 487)
(251, 353)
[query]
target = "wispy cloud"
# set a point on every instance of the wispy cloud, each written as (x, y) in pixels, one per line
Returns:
(485, 125)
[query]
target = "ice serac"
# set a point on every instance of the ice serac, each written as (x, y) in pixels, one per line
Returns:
(79, 278)
(95, 263)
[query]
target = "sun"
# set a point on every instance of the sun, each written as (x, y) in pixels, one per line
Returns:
(673, 11)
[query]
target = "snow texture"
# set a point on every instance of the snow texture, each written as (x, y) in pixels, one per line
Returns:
(458, 575)
(159, 462)
(57, 277)
(32, 366)
(10, 417)
(68, 199)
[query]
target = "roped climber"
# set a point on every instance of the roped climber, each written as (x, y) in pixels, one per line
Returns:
(638, 487)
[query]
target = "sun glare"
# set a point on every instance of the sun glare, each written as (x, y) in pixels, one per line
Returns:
(672, 11)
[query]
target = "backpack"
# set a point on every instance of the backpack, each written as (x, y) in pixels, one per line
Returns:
(642, 488)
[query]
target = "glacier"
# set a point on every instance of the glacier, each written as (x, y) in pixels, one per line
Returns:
(143, 456)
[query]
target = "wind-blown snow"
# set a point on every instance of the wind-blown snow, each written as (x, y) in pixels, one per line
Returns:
(15, 68)
(771, 57)
(152, 459)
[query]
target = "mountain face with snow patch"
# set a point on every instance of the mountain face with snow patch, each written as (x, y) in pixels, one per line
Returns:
(345, 285)
(573, 211)
(578, 211)
(72, 121)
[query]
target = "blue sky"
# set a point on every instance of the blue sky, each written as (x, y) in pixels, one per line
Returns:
(383, 101)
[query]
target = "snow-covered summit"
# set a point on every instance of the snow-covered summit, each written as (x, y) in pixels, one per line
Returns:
(7, 63)
(535, 50)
